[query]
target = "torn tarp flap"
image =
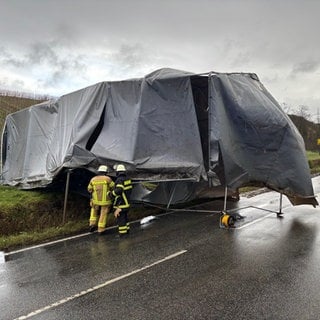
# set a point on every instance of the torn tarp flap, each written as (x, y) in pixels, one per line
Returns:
(258, 141)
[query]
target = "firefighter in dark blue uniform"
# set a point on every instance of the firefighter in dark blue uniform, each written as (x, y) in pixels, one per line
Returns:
(121, 194)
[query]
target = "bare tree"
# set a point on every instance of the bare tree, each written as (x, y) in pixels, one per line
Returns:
(303, 112)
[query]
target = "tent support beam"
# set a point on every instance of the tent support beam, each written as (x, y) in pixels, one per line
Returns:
(225, 199)
(280, 205)
(66, 197)
(171, 196)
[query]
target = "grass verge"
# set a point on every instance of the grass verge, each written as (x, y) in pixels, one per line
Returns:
(23, 239)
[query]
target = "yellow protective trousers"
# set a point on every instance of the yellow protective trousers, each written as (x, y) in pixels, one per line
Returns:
(94, 214)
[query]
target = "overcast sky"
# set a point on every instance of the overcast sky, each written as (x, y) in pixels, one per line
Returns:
(57, 46)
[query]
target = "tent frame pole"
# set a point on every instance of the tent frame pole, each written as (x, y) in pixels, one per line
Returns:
(280, 205)
(1, 152)
(171, 195)
(66, 197)
(225, 199)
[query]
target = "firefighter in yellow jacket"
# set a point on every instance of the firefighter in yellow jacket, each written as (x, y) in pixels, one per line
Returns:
(99, 187)
(121, 195)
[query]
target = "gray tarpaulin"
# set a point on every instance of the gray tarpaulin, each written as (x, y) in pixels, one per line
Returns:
(225, 129)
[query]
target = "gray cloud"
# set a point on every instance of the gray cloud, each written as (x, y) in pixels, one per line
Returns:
(46, 63)
(42, 53)
(308, 66)
(130, 56)
(8, 59)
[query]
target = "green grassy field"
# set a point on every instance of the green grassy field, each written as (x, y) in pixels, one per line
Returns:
(314, 161)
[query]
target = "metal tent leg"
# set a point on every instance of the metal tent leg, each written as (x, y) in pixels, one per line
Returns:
(225, 199)
(66, 197)
(280, 206)
(171, 195)
(226, 220)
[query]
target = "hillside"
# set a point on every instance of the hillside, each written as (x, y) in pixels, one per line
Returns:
(310, 131)
(10, 104)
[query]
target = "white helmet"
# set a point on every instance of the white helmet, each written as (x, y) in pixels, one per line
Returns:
(121, 168)
(103, 168)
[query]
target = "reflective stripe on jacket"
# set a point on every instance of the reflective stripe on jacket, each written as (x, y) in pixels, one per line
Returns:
(99, 187)
(122, 192)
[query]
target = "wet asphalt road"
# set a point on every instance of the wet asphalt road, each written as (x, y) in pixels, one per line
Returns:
(180, 266)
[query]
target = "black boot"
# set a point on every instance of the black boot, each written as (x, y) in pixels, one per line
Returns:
(92, 228)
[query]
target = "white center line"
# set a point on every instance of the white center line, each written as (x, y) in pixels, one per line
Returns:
(84, 292)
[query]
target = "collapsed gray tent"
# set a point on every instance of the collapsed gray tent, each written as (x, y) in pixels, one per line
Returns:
(201, 130)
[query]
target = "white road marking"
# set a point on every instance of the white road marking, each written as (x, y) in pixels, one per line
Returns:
(255, 221)
(46, 244)
(97, 287)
